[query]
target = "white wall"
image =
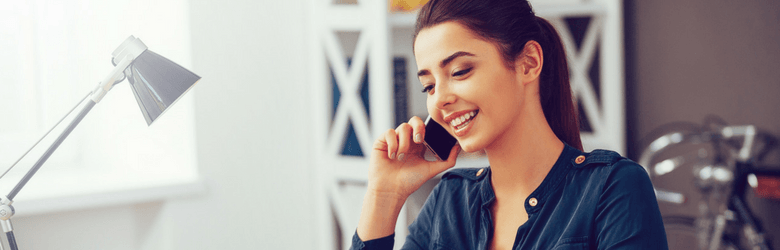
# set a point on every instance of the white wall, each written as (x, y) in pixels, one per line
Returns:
(252, 128)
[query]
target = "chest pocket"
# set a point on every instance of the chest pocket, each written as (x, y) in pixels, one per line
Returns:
(572, 243)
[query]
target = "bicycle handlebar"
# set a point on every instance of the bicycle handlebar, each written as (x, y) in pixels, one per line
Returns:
(747, 132)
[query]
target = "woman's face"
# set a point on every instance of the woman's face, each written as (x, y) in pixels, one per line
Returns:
(470, 90)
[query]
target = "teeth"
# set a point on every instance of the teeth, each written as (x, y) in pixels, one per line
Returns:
(457, 122)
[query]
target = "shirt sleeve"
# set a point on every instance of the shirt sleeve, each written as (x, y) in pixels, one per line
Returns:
(628, 216)
(384, 243)
(420, 230)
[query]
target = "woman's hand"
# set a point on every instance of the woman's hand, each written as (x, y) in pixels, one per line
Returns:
(398, 166)
(396, 170)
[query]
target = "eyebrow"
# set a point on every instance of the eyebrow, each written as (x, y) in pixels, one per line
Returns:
(445, 62)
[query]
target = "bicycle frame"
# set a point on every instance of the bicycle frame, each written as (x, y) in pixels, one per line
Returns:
(746, 172)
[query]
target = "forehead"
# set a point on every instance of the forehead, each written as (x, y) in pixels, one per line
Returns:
(442, 40)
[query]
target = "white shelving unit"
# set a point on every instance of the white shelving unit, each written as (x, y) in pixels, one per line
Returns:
(370, 37)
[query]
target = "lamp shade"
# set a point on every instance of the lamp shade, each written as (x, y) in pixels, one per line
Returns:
(158, 83)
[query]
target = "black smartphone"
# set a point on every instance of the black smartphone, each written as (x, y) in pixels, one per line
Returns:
(438, 140)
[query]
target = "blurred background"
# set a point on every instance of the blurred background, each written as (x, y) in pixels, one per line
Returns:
(239, 163)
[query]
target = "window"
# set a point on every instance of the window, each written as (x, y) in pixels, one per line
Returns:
(55, 52)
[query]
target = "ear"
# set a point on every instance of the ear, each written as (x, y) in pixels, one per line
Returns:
(528, 65)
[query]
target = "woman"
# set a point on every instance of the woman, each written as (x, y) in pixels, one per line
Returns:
(496, 78)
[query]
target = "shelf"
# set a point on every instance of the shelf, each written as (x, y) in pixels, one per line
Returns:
(402, 19)
(409, 19)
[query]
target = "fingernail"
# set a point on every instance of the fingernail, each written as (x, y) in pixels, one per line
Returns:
(392, 156)
(417, 138)
(401, 157)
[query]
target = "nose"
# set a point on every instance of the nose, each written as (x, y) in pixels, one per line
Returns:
(443, 96)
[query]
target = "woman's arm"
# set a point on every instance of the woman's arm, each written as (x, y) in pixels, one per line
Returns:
(397, 168)
(419, 232)
(379, 214)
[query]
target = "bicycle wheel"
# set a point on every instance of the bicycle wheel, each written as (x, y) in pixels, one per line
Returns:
(681, 234)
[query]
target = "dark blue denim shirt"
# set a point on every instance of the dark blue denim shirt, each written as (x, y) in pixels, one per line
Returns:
(603, 202)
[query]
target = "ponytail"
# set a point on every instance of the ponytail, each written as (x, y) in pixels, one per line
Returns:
(554, 88)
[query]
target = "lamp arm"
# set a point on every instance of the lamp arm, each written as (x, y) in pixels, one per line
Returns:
(51, 149)
(100, 91)
(6, 210)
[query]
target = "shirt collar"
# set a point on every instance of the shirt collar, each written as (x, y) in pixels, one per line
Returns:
(542, 193)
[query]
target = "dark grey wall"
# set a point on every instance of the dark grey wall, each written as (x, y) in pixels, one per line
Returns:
(697, 57)
(687, 59)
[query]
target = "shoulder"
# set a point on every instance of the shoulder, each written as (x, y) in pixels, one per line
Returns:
(597, 158)
(607, 160)
(626, 212)
(615, 177)
(465, 181)
(466, 174)
(608, 167)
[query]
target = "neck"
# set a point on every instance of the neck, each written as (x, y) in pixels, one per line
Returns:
(522, 157)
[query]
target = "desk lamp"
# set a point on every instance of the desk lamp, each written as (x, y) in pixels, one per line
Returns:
(157, 83)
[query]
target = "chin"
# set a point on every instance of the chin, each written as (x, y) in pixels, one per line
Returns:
(470, 146)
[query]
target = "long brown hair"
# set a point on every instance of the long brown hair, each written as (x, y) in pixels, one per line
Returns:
(510, 24)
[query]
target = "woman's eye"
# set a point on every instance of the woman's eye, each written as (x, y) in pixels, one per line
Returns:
(427, 89)
(461, 72)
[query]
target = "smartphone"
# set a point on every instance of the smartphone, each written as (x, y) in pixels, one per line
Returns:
(438, 140)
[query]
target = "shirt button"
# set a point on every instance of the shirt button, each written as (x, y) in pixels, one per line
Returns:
(480, 171)
(580, 159)
(532, 202)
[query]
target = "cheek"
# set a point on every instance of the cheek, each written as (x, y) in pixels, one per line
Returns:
(506, 91)
(431, 105)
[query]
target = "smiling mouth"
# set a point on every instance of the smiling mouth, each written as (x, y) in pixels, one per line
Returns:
(462, 121)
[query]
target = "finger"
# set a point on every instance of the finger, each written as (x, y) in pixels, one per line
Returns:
(404, 132)
(380, 144)
(418, 128)
(440, 166)
(392, 143)
(454, 153)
